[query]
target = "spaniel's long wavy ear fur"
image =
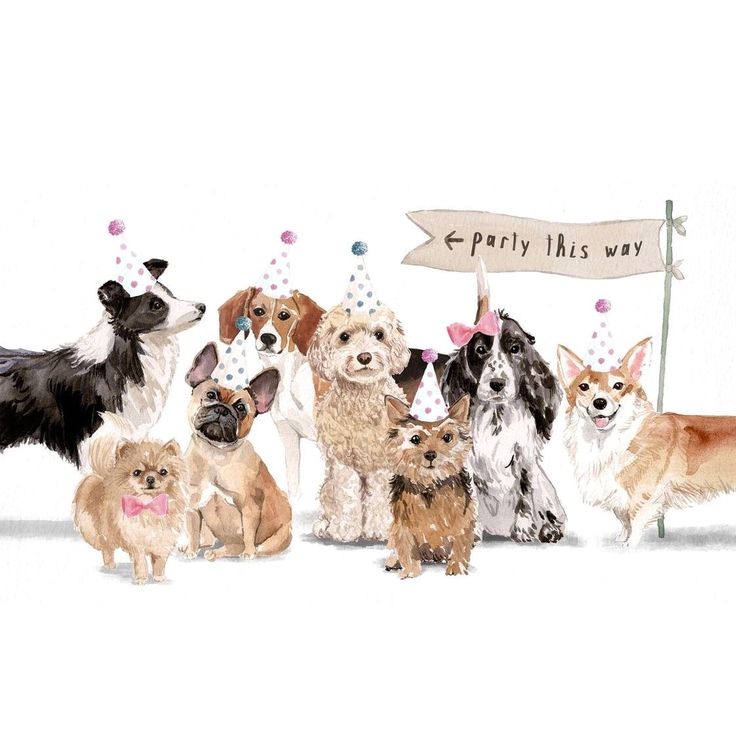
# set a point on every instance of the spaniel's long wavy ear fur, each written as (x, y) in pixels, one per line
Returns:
(319, 353)
(399, 353)
(538, 388)
(457, 381)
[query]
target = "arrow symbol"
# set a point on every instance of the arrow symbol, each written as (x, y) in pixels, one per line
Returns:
(449, 239)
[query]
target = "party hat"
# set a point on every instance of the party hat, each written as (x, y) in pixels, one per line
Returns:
(232, 370)
(276, 278)
(602, 355)
(130, 272)
(428, 404)
(360, 298)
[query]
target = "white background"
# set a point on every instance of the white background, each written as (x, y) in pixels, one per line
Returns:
(210, 128)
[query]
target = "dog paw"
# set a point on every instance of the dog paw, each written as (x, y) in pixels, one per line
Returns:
(319, 529)
(392, 563)
(109, 566)
(159, 578)
(455, 568)
(187, 552)
(140, 581)
(409, 572)
(550, 533)
(247, 555)
(523, 533)
(210, 555)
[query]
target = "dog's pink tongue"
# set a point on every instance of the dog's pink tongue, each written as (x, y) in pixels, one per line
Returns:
(601, 422)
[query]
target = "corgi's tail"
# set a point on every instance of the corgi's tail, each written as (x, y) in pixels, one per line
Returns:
(104, 443)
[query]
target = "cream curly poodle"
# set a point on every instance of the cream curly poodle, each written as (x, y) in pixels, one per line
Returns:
(357, 354)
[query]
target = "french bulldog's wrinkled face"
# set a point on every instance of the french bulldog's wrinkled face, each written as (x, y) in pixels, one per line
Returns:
(220, 415)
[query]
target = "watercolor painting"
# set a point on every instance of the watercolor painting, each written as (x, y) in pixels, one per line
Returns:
(405, 341)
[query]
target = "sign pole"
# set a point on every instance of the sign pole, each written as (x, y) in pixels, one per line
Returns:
(665, 326)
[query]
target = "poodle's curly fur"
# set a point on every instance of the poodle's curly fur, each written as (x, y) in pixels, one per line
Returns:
(351, 419)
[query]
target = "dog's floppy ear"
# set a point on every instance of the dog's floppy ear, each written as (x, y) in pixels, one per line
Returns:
(236, 306)
(398, 351)
(460, 410)
(113, 297)
(569, 366)
(156, 267)
(455, 381)
(396, 410)
(637, 358)
(310, 314)
(320, 350)
(539, 391)
(203, 364)
(263, 389)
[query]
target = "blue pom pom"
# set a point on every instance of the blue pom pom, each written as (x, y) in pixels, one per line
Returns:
(243, 323)
(359, 248)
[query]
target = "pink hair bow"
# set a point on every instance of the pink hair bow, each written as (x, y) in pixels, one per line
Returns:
(132, 505)
(461, 334)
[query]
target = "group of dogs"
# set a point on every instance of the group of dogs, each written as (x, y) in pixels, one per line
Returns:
(346, 380)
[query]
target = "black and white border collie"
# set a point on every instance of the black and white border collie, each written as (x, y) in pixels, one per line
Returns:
(124, 365)
(514, 401)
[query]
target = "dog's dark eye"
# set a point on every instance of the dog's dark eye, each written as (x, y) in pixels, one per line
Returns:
(344, 336)
(136, 473)
(415, 440)
(211, 395)
(240, 407)
(378, 334)
(481, 350)
(157, 305)
(583, 386)
(618, 385)
(447, 437)
(163, 471)
(514, 349)
(283, 316)
(259, 311)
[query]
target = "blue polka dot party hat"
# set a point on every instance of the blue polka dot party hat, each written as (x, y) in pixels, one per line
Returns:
(428, 404)
(360, 297)
(232, 370)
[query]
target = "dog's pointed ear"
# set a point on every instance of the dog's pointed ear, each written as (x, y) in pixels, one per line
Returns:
(310, 313)
(123, 449)
(113, 297)
(172, 448)
(263, 389)
(637, 358)
(156, 267)
(396, 410)
(569, 366)
(236, 306)
(460, 410)
(205, 361)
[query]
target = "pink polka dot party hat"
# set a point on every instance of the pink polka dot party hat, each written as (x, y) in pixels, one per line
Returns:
(232, 369)
(602, 354)
(130, 272)
(428, 404)
(360, 297)
(275, 280)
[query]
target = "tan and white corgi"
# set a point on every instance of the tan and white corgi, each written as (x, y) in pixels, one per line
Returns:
(632, 460)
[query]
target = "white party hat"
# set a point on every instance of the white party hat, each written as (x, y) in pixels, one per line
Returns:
(130, 272)
(360, 296)
(276, 278)
(602, 355)
(232, 369)
(428, 404)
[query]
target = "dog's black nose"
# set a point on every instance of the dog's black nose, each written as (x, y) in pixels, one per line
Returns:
(497, 385)
(600, 403)
(365, 358)
(201, 308)
(150, 480)
(221, 409)
(268, 339)
(430, 455)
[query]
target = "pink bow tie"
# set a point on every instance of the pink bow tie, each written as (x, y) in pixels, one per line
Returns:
(461, 334)
(132, 505)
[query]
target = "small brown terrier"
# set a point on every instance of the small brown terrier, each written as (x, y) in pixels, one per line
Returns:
(433, 510)
(134, 501)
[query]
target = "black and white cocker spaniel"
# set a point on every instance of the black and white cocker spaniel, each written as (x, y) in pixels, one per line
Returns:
(515, 398)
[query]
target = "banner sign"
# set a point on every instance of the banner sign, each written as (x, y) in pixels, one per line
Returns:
(601, 250)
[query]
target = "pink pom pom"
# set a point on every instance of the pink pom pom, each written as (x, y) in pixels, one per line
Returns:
(116, 227)
(602, 306)
(288, 237)
(429, 356)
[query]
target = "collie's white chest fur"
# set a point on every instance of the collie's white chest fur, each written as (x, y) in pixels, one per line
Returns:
(598, 457)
